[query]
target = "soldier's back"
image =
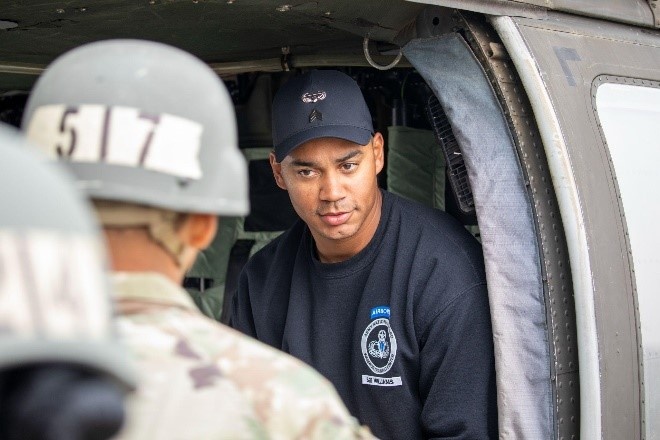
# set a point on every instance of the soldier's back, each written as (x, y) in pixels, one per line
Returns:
(200, 379)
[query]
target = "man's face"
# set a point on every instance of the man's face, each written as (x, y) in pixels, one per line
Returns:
(333, 188)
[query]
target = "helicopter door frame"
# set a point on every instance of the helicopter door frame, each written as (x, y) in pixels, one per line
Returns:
(559, 59)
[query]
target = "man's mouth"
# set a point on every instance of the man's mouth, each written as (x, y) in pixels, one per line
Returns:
(335, 218)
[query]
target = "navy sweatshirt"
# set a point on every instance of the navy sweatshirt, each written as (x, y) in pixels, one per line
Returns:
(402, 329)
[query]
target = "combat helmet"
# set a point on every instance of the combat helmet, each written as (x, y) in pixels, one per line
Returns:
(141, 122)
(144, 124)
(54, 299)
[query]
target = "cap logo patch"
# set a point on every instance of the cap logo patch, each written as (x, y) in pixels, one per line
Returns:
(313, 97)
(315, 115)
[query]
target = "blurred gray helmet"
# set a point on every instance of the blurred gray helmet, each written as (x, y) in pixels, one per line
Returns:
(54, 297)
(144, 123)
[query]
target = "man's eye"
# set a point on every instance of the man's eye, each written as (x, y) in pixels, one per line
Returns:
(305, 173)
(349, 166)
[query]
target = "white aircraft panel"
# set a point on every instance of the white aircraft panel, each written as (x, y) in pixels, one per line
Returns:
(630, 117)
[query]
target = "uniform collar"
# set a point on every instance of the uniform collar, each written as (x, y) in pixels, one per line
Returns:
(150, 287)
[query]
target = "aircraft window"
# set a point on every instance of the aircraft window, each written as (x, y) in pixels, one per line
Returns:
(629, 116)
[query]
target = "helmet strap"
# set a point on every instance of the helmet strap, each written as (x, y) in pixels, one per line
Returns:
(161, 224)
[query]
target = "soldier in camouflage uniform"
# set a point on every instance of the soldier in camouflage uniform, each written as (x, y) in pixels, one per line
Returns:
(62, 373)
(149, 132)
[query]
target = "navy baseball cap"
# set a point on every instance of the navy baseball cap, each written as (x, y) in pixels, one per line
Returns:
(319, 103)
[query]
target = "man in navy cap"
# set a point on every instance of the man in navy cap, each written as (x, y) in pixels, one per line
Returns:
(385, 297)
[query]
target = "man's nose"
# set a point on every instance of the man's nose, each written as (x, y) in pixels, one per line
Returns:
(332, 189)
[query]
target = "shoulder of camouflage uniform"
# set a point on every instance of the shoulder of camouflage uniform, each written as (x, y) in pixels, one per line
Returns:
(290, 397)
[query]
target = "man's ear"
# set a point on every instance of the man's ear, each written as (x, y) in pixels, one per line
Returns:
(198, 230)
(277, 171)
(378, 145)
